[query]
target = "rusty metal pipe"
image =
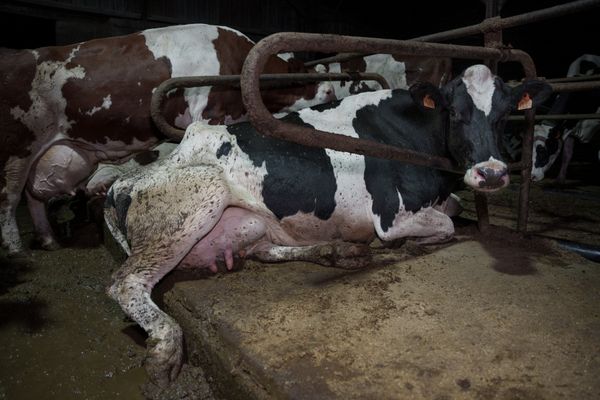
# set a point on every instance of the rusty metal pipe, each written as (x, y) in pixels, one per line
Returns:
(486, 26)
(575, 86)
(576, 78)
(293, 41)
(526, 153)
(565, 87)
(267, 80)
(497, 23)
(552, 117)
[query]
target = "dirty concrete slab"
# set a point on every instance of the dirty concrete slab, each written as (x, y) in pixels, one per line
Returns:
(489, 319)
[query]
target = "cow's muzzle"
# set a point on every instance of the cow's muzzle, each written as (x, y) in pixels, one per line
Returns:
(487, 176)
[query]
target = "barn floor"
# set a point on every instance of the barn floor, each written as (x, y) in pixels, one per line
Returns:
(494, 317)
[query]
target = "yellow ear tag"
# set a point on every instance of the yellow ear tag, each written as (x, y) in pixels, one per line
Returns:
(525, 103)
(428, 101)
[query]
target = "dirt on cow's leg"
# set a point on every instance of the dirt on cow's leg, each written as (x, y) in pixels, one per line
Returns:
(43, 231)
(10, 195)
(567, 154)
(160, 236)
(337, 254)
(131, 288)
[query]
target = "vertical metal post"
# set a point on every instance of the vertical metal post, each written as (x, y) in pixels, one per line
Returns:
(526, 171)
(491, 39)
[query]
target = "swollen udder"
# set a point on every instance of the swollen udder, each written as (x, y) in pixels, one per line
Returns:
(59, 171)
(234, 237)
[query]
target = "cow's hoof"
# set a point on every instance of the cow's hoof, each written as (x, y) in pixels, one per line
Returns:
(19, 254)
(352, 255)
(164, 359)
(354, 262)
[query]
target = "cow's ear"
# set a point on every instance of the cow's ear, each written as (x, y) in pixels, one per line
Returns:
(427, 96)
(530, 94)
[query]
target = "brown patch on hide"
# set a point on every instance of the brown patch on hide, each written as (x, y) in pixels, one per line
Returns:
(17, 70)
(124, 69)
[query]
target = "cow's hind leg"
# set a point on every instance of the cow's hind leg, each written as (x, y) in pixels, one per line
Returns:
(567, 154)
(164, 221)
(39, 216)
(15, 174)
(131, 288)
(335, 254)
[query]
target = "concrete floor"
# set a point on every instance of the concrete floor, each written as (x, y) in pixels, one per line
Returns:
(494, 318)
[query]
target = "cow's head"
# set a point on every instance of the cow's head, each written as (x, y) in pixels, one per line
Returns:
(475, 107)
(547, 142)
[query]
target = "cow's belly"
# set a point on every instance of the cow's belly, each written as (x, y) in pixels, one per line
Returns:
(348, 225)
(241, 233)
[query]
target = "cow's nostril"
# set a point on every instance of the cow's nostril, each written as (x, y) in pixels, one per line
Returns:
(482, 172)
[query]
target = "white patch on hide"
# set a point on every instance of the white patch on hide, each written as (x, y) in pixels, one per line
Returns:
(287, 56)
(479, 81)
(190, 51)
(106, 103)
(46, 118)
(540, 136)
(200, 146)
(353, 201)
(385, 65)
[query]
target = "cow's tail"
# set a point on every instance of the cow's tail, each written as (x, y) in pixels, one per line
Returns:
(111, 218)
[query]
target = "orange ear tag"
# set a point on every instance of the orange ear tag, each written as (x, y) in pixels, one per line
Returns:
(525, 103)
(428, 101)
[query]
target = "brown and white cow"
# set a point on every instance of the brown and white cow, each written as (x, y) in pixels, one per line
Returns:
(93, 98)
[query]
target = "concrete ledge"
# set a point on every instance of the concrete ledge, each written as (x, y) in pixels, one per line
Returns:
(491, 319)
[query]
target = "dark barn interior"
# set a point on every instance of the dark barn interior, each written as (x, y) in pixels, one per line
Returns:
(493, 314)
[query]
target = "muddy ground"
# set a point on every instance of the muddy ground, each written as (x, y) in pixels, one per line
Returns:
(63, 338)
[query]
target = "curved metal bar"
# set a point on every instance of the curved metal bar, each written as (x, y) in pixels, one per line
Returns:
(267, 80)
(293, 41)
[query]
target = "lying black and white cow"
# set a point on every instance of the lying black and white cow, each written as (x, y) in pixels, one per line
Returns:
(228, 193)
(551, 137)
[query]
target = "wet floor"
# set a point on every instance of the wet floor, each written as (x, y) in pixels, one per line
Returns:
(62, 337)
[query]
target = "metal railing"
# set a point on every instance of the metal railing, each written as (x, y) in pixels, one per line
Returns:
(268, 81)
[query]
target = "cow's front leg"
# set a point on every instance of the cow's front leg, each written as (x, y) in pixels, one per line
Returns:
(426, 226)
(39, 216)
(336, 254)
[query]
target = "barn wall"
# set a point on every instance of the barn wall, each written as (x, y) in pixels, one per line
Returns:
(78, 20)
(553, 44)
